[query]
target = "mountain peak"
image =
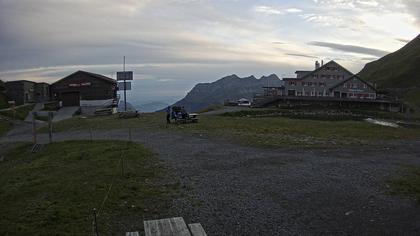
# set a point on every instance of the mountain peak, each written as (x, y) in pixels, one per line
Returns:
(230, 87)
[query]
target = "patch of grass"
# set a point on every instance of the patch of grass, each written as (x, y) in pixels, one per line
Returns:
(5, 126)
(263, 131)
(408, 185)
(54, 191)
(21, 112)
(211, 108)
(146, 120)
(279, 131)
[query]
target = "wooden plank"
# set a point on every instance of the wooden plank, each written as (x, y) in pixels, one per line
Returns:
(166, 227)
(197, 230)
(132, 234)
(179, 227)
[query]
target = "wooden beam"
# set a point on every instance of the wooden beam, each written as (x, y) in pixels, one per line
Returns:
(197, 230)
(173, 226)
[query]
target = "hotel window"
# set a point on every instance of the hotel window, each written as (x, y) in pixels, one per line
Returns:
(309, 83)
(299, 93)
(364, 85)
(303, 83)
(313, 93)
(319, 94)
(293, 83)
(306, 93)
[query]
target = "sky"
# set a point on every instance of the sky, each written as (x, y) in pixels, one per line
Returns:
(173, 44)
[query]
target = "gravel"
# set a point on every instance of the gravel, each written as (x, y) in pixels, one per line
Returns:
(237, 190)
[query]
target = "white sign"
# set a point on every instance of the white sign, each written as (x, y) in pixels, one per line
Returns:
(121, 86)
(81, 84)
(125, 75)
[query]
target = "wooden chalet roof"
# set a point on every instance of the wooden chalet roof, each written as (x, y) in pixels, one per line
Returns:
(98, 76)
(352, 77)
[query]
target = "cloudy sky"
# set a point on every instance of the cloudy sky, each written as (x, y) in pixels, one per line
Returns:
(173, 44)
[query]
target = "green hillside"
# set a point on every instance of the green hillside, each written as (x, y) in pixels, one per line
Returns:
(398, 73)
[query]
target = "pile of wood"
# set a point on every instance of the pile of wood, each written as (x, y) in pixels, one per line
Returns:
(103, 112)
(128, 114)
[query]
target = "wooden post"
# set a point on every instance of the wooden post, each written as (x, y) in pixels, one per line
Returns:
(95, 223)
(129, 134)
(91, 135)
(122, 165)
(50, 129)
(34, 126)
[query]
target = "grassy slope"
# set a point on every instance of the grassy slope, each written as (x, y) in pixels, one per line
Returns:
(54, 190)
(408, 185)
(398, 72)
(273, 132)
(21, 112)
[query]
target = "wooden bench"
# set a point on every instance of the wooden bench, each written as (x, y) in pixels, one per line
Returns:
(170, 227)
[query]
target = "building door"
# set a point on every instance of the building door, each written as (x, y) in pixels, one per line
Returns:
(70, 99)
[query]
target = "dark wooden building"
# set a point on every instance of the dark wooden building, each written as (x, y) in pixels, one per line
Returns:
(83, 85)
(24, 91)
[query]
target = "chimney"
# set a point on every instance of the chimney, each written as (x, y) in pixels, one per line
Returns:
(322, 62)
(316, 65)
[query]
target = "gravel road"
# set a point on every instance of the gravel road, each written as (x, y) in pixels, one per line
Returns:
(237, 190)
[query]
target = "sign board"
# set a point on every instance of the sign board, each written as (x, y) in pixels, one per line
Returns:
(81, 84)
(121, 86)
(125, 75)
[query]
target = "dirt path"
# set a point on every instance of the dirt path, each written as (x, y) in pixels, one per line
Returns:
(237, 190)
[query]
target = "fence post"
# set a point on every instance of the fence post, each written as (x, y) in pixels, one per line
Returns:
(50, 129)
(129, 134)
(95, 223)
(91, 135)
(34, 126)
(122, 165)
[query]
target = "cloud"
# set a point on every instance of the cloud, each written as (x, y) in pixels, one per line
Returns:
(268, 10)
(293, 10)
(350, 48)
(402, 40)
(300, 55)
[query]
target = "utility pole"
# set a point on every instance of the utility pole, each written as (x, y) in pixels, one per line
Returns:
(125, 93)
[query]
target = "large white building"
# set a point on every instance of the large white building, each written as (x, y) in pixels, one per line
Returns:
(329, 80)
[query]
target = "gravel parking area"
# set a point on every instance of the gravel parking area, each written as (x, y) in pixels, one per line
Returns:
(237, 190)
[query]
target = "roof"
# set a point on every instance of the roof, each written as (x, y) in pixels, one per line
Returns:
(98, 76)
(19, 81)
(325, 65)
(273, 87)
(303, 71)
(320, 68)
(352, 77)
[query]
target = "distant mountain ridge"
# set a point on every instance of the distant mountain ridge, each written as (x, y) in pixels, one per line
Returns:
(231, 87)
(398, 73)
